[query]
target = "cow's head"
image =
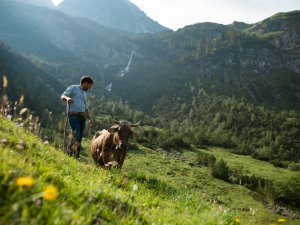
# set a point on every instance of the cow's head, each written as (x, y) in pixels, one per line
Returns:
(124, 132)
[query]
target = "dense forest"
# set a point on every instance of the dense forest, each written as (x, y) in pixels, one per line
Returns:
(241, 127)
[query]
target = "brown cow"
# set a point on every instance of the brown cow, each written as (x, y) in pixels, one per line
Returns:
(109, 147)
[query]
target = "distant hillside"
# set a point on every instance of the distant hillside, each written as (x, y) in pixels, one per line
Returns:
(278, 23)
(65, 46)
(121, 14)
(220, 59)
(41, 91)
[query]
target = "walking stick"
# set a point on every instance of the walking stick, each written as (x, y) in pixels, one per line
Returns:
(65, 130)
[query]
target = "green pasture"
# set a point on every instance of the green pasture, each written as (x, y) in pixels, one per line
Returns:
(154, 187)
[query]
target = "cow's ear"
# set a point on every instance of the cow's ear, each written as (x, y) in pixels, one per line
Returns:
(113, 129)
(134, 135)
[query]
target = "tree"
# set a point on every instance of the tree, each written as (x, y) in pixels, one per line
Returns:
(220, 170)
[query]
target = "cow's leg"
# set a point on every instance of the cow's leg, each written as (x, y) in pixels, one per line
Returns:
(100, 161)
(121, 159)
(105, 155)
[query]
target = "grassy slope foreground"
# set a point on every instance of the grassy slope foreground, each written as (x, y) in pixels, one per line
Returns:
(86, 194)
(152, 188)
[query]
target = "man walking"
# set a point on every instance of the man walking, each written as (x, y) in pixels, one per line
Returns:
(75, 95)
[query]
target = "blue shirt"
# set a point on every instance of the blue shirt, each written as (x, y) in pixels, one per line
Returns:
(79, 97)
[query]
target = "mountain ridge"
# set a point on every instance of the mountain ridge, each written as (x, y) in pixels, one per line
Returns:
(263, 67)
(121, 14)
(224, 61)
(42, 3)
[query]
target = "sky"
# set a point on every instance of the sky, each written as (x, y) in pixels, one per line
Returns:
(176, 14)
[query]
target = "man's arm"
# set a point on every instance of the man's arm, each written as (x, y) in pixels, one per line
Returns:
(88, 117)
(66, 98)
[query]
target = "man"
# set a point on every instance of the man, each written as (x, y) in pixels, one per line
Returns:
(75, 95)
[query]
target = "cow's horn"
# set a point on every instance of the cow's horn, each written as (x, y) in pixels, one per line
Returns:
(136, 124)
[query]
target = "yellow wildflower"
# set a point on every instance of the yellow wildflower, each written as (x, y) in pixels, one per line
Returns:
(25, 181)
(50, 193)
(281, 220)
(237, 220)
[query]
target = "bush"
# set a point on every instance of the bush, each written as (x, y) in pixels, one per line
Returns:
(242, 149)
(289, 192)
(206, 159)
(279, 163)
(174, 142)
(294, 167)
(264, 153)
(220, 170)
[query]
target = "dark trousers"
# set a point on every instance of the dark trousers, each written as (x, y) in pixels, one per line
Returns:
(77, 123)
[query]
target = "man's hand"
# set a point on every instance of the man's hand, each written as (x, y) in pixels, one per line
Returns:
(70, 100)
(90, 122)
(67, 99)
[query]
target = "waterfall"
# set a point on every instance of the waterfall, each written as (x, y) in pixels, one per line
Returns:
(126, 70)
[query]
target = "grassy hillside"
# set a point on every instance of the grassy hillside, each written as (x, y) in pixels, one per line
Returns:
(86, 194)
(153, 188)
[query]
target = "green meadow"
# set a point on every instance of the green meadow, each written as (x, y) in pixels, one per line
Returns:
(153, 187)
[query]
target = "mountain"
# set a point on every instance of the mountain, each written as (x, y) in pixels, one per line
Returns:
(121, 14)
(43, 3)
(63, 45)
(220, 59)
(256, 62)
(276, 24)
(41, 90)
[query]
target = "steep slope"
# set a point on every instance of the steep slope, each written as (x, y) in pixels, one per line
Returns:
(283, 31)
(41, 91)
(121, 14)
(83, 194)
(278, 23)
(63, 45)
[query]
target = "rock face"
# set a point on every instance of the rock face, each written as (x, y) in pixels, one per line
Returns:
(121, 14)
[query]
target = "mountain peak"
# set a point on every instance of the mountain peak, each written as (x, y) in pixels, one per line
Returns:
(43, 3)
(121, 14)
